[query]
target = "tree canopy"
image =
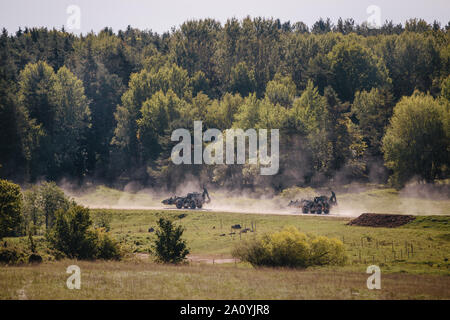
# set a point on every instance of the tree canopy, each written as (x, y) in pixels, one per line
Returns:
(101, 107)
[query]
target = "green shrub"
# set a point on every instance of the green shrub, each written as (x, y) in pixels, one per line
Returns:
(291, 248)
(103, 220)
(74, 236)
(12, 255)
(107, 248)
(168, 246)
(10, 209)
(325, 251)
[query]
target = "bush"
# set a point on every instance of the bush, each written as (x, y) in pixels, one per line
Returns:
(73, 235)
(169, 247)
(107, 248)
(10, 209)
(103, 220)
(325, 251)
(12, 255)
(291, 248)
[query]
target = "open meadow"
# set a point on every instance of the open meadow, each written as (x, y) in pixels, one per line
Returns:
(413, 259)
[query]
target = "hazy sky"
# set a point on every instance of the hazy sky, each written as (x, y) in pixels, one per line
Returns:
(160, 16)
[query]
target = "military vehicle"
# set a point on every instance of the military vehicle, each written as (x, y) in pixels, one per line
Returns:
(192, 200)
(318, 205)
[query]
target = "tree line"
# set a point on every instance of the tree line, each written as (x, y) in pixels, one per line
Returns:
(352, 103)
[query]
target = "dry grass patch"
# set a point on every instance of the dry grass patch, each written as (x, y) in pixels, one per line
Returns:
(145, 280)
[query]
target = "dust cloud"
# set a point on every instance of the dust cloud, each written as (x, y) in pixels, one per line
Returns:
(353, 199)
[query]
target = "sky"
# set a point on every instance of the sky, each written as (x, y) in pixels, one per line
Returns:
(82, 16)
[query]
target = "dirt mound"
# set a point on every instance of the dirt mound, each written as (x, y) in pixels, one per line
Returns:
(381, 220)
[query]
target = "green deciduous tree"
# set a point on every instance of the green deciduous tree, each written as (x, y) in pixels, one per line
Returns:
(157, 112)
(248, 113)
(51, 199)
(416, 143)
(143, 86)
(355, 68)
(310, 117)
(11, 202)
(72, 122)
(32, 209)
(57, 104)
(281, 90)
(35, 93)
(221, 113)
(373, 110)
(413, 60)
(242, 79)
(104, 90)
(41, 203)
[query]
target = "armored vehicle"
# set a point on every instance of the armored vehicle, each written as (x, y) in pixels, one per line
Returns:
(318, 205)
(191, 200)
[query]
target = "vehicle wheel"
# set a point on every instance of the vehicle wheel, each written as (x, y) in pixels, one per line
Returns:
(319, 211)
(305, 210)
(179, 204)
(326, 211)
(192, 205)
(199, 205)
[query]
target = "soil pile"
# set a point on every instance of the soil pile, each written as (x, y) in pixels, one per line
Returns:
(381, 220)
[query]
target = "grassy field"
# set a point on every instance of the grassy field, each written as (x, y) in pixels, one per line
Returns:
(145, 280)
(424, 274)
(421, 247)
(413, 258)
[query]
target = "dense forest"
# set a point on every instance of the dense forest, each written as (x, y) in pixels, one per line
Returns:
(352, 103)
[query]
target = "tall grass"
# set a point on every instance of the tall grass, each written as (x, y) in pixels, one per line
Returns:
(144, 280)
